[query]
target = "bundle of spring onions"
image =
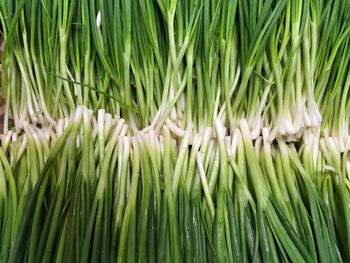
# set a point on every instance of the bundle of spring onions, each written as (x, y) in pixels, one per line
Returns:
(175, 131)
(87, 191)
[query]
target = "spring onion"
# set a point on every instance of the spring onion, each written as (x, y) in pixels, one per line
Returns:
(175, 131)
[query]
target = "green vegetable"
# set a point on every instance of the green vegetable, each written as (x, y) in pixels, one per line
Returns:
(175, 131)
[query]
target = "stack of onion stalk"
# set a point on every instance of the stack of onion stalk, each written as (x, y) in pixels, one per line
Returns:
(175, 131)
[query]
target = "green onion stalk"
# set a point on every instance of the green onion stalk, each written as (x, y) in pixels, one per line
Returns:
(331, 90)
(293, 66)
(9, 207)
(241, 207)
(325, 239)
(188, 181)
(335, 187)
(295, 205)
(203, 210)
(272, 222)
(34, 202)
(169, 241)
